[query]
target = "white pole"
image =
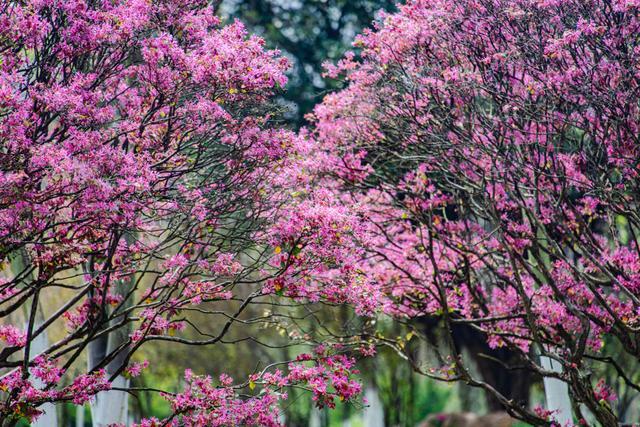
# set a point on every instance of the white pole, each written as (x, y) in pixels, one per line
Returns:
(315, 419)
(80, 416)
(49, 417)
(373, 412)
(111, 406)
(39, 344)
(557, 393)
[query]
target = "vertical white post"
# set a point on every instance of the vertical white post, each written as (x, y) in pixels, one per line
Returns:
(111, 406)
(557, 393)
(373, 412)
(79, 416)
(39, 344)
(48, 417)
(315, 418)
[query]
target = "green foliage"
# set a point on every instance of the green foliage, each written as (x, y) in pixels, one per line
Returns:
(415, 396)
(309, 32)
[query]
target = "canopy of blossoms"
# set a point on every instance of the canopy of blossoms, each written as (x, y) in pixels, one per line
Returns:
(139, 165)
(491, 148)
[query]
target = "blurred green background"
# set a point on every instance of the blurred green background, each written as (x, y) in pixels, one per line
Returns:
(308, 32)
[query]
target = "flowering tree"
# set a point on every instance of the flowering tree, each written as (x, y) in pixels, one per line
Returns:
(142, 181)
(492, 148)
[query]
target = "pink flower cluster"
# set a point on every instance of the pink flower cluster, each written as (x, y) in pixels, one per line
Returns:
(475, 141)
(27, 396)
(203, 403)
(12, 336)
(139, 161)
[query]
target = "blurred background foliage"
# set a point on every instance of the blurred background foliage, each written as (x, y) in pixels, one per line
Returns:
(308, 32)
